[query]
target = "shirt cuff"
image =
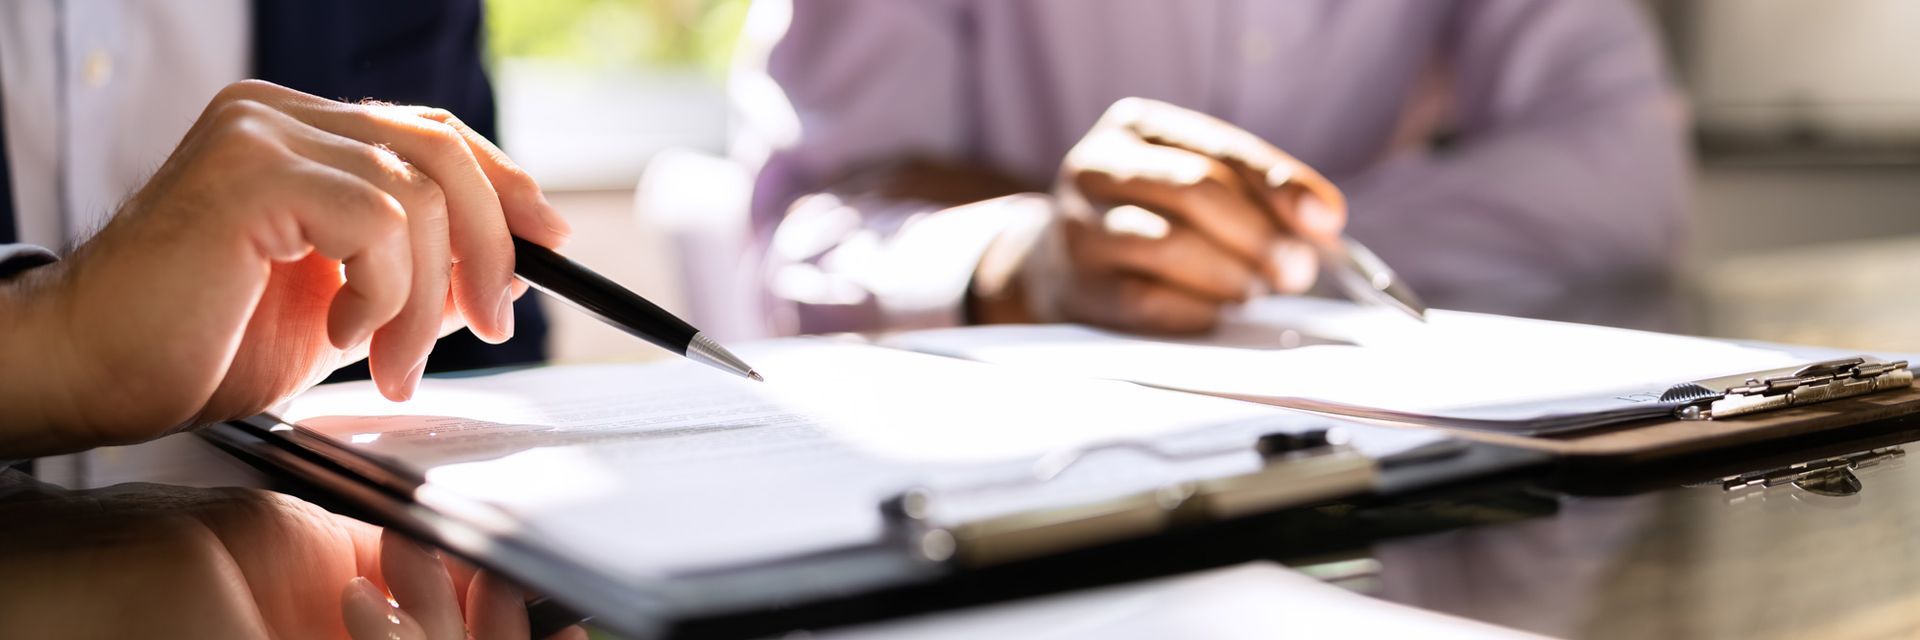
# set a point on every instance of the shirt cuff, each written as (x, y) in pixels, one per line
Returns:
(17, 258)
(871, 265)
(938, 256)
(14, 259)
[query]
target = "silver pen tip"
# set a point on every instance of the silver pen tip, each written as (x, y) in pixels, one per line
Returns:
(704, 350)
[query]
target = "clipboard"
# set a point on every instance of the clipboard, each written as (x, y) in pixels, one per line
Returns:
(931, 558)
(1465, 373)
(925, 562)
(1726, 412)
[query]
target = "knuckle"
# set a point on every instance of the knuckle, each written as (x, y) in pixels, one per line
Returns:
(234, 112)
(384, 216)
(442, 137)
(391, 224)
(379, 156)
(410, 185)
(1201, 179)
(243, 90)
(513, 178)
(1126, 110)
(1161, 309)
(1162, 253)
(243, 126)
(1094, 249)
(1215, 183)
(1135, 295)
(426, 192)
(1091, 181)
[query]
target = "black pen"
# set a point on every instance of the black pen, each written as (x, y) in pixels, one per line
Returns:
(613, 304)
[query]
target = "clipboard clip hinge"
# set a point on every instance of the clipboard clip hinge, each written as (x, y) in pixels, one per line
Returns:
(1298, 469)
(1781, 388)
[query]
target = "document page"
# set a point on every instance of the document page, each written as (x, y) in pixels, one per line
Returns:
(1257, 600)
(1459, 368)
(654, 469)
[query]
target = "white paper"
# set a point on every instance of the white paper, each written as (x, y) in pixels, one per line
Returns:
(1336, 352)
(1254, 600)
(652, 469)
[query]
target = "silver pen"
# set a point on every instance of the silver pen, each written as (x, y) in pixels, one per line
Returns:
(1367, 279)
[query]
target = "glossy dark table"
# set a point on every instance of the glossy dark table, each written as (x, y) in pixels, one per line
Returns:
(1682, 562)
(1674, 561)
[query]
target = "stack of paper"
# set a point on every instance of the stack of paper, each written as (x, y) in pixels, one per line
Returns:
(664, 468)
(1456, 369)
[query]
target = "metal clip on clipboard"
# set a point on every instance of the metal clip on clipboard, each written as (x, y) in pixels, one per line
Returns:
(1298, 469)
(1730, 396)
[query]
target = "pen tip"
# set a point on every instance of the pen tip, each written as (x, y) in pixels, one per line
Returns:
(755, 375)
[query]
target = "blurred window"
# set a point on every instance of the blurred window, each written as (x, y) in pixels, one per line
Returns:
(589, 90)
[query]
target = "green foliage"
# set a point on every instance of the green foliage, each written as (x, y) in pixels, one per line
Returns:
(617, 33)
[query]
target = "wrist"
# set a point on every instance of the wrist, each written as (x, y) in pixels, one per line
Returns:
(1003, 301)
(37, 363)
(1003, 290)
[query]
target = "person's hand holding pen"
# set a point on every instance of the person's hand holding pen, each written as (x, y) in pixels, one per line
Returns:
(286, 235)
(1164, 216)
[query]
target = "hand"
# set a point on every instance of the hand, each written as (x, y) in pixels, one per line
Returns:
(1165, 215)
(285, 236)
(159, 561)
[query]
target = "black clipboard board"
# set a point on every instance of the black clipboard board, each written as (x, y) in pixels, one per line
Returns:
(864, 583)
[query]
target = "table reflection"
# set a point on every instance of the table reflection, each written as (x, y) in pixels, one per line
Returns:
(1693, 562)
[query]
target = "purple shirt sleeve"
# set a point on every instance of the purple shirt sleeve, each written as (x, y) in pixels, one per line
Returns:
(869, 81)
(1570, 162)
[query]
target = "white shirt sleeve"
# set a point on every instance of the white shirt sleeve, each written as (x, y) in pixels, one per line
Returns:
(99, 93)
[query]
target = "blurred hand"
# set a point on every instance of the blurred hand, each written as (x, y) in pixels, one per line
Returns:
(156, 561)
(285, 236)
(1166, 215)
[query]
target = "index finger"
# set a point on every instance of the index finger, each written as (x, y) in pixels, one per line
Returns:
(1281, 180)
(529, 214)
(482, 251)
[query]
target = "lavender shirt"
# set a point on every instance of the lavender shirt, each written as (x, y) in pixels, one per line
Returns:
(1567, 159)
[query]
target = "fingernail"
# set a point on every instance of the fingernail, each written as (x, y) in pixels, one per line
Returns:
(1279, 176)
(492, 603)
(370, 614)
(1318, 216)
(554, 221)
(1292, 266)
(361, 591)
(1128, 219)
(420, 583)
(424, 550)
(413, 379)
(503, 317)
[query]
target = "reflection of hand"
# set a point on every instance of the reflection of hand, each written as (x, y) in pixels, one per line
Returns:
(156, 561)
(218, 289)
(1166, 215)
